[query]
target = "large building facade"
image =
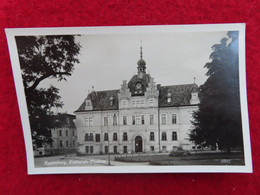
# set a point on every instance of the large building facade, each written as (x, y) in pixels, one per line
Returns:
(139, 117)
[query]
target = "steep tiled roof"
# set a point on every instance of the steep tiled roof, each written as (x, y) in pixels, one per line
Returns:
(101, 100)
(180, 95)
(64, 119)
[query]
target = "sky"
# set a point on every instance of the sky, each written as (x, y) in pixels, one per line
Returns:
(108, 59)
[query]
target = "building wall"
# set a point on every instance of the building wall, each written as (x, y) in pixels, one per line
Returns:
(182, 128)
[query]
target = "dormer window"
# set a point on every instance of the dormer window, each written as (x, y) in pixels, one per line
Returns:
(111, 99)
(169, 98)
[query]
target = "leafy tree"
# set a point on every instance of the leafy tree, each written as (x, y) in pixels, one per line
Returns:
(44, 57)
(218, 119)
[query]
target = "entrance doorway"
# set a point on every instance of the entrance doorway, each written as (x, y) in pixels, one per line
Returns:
(138, 144)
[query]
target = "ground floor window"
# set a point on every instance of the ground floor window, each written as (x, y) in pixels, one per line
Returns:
(125, 149)
(106, 149)
(89, 149)
(151, 136)
(152, 148)
(60, 143)
(115, 149)
(164, 148)
(124, 136)
(114, 136)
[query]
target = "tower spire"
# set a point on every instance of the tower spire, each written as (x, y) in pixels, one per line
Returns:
(141, 50)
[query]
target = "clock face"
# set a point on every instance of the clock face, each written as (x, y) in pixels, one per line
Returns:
(138, 86)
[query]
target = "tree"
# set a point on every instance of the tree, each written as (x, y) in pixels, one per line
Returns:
(44, 57)
(218, 119)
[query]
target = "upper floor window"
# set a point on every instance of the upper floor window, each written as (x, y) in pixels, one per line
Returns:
(151, 119)
(138, 120)
(137, 103)
(151, 136)
(89, 122)
(124, 136)
(163, 119)
(89, 137)
(151, 102)
(174, 136)
(174, 118)
(124, 103)
(142, 119)
(133, 104)
(114, 136)
(164, 136)
(60, 131)
(133, 120)
(124, 120)
(60, 143)
(105, 136)
(97, 137)
(67, 133)
(114, 120)
(169, 98)
(105, 121)
(67, 143)
(142, 103)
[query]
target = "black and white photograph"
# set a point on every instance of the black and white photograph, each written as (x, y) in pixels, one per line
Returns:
(132, 99)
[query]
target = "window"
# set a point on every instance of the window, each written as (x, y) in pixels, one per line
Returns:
(87, 149)
(97, 137)
(88, 103)
(125, 136)
(105, 121)
(142, 103)
(73, 133)
(138, 120)
(124, 120)
(105, 136)
(89, 137)
(60, 143)
(115, 149)
(125, 149)
(151, 102)
(106, 149)
(91, 122)
(163, 119)
(137, 103)
(67, 143)
(151, 136)
(164, 148)
(174, 119)
(133, 120)
(124, 103)
(73, 143)
(67, 133)
(152, 148)
(114, 120)
(142, 119)
(133, 104)
(114, 136)
(164, 136)
(174, 136)
(60, 132)
(151, 119)
(91, 149)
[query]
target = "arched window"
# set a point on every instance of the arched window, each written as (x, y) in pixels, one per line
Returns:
(164, 136)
